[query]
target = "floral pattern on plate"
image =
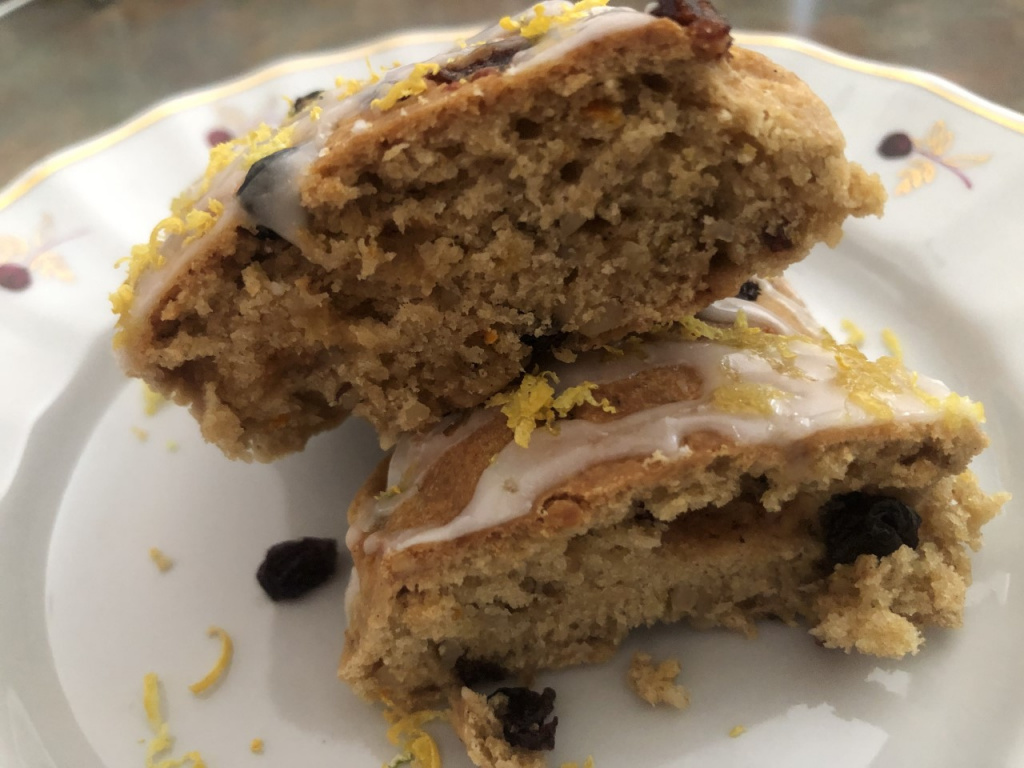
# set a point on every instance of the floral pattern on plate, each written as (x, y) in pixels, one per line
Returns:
(21, 257)
(932, 152)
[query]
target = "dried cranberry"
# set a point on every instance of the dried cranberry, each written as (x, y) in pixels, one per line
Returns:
(522, 713)
(293, 568)
(749, 291)
(866, 524)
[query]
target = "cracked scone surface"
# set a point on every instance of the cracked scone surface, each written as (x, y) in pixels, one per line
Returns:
(413, 265)
(719, 525)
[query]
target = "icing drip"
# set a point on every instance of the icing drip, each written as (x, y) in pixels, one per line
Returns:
(776, 310)
(776, 389)
(277, 205)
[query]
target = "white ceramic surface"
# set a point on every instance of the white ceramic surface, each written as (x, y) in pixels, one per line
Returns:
(84, 614)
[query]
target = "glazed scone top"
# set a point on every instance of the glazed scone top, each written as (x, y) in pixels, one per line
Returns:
(766, 373)
(254, 181)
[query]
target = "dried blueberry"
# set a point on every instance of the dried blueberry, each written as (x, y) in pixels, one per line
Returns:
(476, 671)
(749, 291)
(522, 713)
(896, 144)
(293, 568)
(270, 195)
(866, 524)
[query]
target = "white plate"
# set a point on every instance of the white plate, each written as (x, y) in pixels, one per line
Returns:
(84, 614)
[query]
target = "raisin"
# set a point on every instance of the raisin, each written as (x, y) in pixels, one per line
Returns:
(860, 523)
(489, 60)
(262, 233)
(476, 671)
(749, 291)
(777, 242)
(303, 101)
(522, 713)
(293, 568)
(711, 38)
(541, 347)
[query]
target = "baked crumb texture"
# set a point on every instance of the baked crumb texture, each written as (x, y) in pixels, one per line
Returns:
(621, 186)
(725, 537)
(656, 683)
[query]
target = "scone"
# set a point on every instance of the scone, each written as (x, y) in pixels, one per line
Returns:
(402, 248)
(732, 469)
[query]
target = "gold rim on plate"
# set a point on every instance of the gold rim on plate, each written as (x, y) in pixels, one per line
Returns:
(932, 83)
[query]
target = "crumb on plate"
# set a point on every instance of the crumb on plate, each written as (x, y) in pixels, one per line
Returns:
(655, 683)
(162, 561)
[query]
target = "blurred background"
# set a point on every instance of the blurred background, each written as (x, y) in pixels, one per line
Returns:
(72, 68)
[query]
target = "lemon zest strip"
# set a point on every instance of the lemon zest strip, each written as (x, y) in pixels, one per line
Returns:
(227, 649)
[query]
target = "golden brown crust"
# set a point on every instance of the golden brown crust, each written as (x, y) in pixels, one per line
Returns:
(620, 187)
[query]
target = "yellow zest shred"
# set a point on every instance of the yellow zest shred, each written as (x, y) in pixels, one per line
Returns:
(256, 746)
(394, 490)
(172, 446)
(892, 343)
(414, 84)
(534, 403)
(188, 221)
(588, 763)
(347, 86)
(316, 112)
(140, 434)
(163, 562)
(540, 23)
(854, 335)
(151, 401)
(418, 747)
(747, 397)
(227, 649)
(198, 223)
(162, 740)
(737, 731)
(870, 385)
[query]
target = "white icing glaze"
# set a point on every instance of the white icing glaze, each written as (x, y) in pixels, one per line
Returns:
(810, 400)
(563, 39)
(333, 108)
(777, 310)
(351, 591)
